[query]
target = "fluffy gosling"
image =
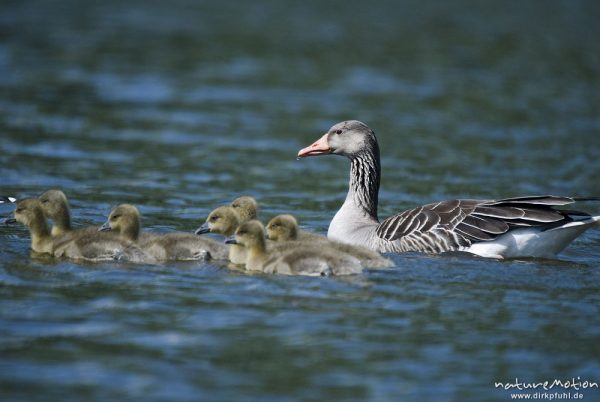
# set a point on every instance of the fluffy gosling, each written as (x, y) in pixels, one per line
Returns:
(224, 221)
(93, 247)
(126, 220)
(285, 228)
(290, 258)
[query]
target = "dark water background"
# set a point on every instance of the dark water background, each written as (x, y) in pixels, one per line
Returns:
(181, 106)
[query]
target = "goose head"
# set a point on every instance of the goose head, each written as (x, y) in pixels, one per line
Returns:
(250, 235)
(282, 228)
(125, 220)
(54, 203)
(246, 208)
(223, 220)
(347, 138)
(28, 212)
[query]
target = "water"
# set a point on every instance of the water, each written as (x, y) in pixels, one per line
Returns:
(182, 106)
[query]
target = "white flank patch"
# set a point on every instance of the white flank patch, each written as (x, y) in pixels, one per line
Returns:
(532, 242)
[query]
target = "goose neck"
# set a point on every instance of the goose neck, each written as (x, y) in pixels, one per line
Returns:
(62, 222)
(131, 231)
(257, 255)
(365, 174)
(40, 235)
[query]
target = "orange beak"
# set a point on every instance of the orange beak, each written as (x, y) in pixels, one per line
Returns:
(320, 147)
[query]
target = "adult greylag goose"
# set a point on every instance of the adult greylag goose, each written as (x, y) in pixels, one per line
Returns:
(91, 247)
(285, 228)
(126, 220)
(225, 220)
(512, 227)
(292, 258)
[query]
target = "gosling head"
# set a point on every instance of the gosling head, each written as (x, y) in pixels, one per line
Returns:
(250, 234)
(282, 228)
(54, 203)
(125, 220)
(347, 138)
(223, 220)
(246, 208)
(28, 212)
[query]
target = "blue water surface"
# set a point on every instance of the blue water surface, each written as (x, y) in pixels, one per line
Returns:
(181, 106)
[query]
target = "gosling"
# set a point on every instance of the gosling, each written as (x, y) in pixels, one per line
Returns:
(98, 247)
(293, 259)
(285, 228)
(56, 207)
(224, 221)
(126, 220)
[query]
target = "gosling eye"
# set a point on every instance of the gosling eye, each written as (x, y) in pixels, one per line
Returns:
(242, 232)
(338, 131)
(44, 201)
(18, 210)
(115, 217)
(214, 218)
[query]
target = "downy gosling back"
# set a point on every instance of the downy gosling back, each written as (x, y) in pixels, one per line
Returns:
(126, 220)
(293, 259)
(285, 228)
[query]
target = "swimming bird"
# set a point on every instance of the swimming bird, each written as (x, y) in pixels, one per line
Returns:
(512, 227)
(126, 220)
(56, 207)
(285, 228)
(100, 247)
(29, 212)
(291, 259)
(225, 220)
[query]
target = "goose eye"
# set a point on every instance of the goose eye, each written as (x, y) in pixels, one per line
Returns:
(242, 232)
(214, 218)
(114, 217)
(44, 201)
(338, 131)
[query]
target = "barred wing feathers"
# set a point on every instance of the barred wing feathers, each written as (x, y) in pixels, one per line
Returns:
(452, 224)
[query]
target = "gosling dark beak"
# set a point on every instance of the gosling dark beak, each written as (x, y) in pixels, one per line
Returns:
(105, 227)
(231, 240)
(10, 221)
(202, 229)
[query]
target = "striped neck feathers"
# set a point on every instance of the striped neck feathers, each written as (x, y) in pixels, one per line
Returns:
(365, 174)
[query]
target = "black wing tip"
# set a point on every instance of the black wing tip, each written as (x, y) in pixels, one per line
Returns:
(550, 200)
(584, 199)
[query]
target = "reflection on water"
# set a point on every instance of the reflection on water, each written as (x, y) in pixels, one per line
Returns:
(183, 106)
